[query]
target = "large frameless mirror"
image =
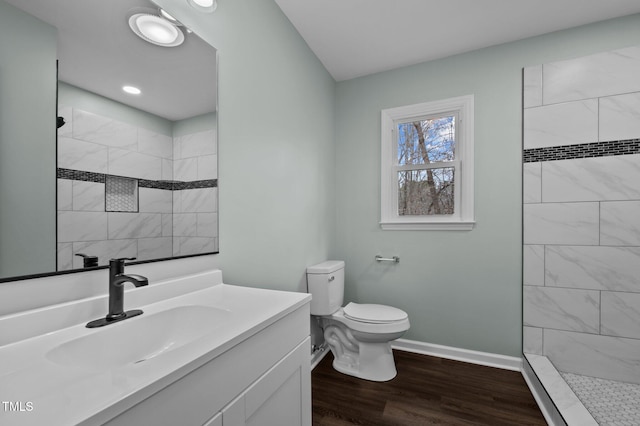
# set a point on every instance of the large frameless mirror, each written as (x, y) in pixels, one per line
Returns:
(115, 173)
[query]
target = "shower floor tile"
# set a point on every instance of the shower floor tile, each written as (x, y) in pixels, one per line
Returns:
(611, 403)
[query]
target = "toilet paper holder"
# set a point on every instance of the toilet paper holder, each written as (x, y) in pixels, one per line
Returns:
(394, 259)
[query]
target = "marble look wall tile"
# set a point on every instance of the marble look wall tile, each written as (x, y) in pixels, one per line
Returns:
(195, 144)
(562, 124)
(621, 314)
(155, 200)
(134, 225)
(64, 256)
(620, 223)
(532, 85)
(167, 169)
(620, 117)
(105, 250)
(532, 183)
(81, 226)
(88, 196)
(167, 224)
(132, 164)
(96, 128)
(184, 246)
(207, 224)
(185, 225)
(591, 179)
(563, 309)
(595, 267)
(155, 144)
(561, 223)
(80, 155)
(532, 340)
(613, 358)
(65, 194)
(203, 200)
(185, 170)
(533, 264)
(177, 202)
(176, 246)
(602, 74)
(207, 167)
(155, 248)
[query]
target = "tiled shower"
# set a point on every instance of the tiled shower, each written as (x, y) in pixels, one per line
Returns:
(581, 219)
(126, 191)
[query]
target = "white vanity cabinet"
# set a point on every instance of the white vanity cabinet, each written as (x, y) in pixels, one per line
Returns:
(278, 397)
(264, 380)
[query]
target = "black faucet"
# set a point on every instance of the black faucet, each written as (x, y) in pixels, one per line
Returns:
(117, 278)
(88, 261)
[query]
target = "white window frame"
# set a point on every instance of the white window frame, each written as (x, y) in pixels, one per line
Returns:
(463, 216)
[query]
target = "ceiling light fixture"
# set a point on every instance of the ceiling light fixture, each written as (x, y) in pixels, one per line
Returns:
(155, 29)
(207, 6)
(131, 90)
(167, 16)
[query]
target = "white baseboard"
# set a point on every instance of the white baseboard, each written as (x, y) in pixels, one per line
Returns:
(474, 357)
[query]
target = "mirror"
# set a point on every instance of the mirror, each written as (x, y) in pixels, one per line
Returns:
(130, 175)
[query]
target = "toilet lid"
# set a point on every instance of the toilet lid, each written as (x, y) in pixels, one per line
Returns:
(373, 313)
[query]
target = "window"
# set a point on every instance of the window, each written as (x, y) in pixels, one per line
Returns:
(427, 166)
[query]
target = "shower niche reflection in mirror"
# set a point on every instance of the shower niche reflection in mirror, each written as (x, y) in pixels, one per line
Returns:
(129, 191)
(159, 146)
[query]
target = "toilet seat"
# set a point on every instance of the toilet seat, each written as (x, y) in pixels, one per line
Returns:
(370, 327)
(374, 314)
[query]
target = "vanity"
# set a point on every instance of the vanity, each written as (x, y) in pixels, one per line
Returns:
(202, 353)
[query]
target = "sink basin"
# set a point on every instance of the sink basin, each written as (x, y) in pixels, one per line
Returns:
(138, 339)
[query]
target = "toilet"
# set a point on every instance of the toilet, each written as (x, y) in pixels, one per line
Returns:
(358, 335)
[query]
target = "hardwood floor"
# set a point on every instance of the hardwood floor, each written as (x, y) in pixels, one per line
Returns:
(427, 391)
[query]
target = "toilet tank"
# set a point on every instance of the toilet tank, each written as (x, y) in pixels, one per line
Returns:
(325, 282)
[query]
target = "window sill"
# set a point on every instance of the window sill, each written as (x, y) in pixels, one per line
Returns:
(427, 226)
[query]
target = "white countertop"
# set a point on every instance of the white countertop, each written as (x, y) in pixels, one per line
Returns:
(52, 394)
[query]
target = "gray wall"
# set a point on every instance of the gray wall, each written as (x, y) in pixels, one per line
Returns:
(276, 144)
(461, 289)
(27, 144)
(299, 172)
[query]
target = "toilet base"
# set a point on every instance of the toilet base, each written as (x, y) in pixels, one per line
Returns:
(362, 354)
(374, 362)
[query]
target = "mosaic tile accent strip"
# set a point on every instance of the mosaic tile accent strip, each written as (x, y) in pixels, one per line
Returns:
(80, 175)
(156, 184)
(585, 150)
(121, 194)
(175, 185)
(609, 402)
(170, 185)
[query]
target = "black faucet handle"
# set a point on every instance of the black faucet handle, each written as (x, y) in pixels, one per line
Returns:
(116, 266)
(88, 261)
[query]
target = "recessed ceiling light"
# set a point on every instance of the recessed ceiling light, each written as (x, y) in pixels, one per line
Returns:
(167, 16)
(156, 30)
(207, 6)
(131, 90)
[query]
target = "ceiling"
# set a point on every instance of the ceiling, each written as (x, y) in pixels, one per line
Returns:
(98, 52)
(353, 38)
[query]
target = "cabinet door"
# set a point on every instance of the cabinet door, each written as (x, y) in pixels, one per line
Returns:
(281, 397)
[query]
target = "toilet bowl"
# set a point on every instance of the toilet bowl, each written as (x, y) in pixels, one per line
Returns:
(358, 335)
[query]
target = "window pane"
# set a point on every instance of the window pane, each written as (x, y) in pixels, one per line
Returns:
(426, 192)
(426, 141)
